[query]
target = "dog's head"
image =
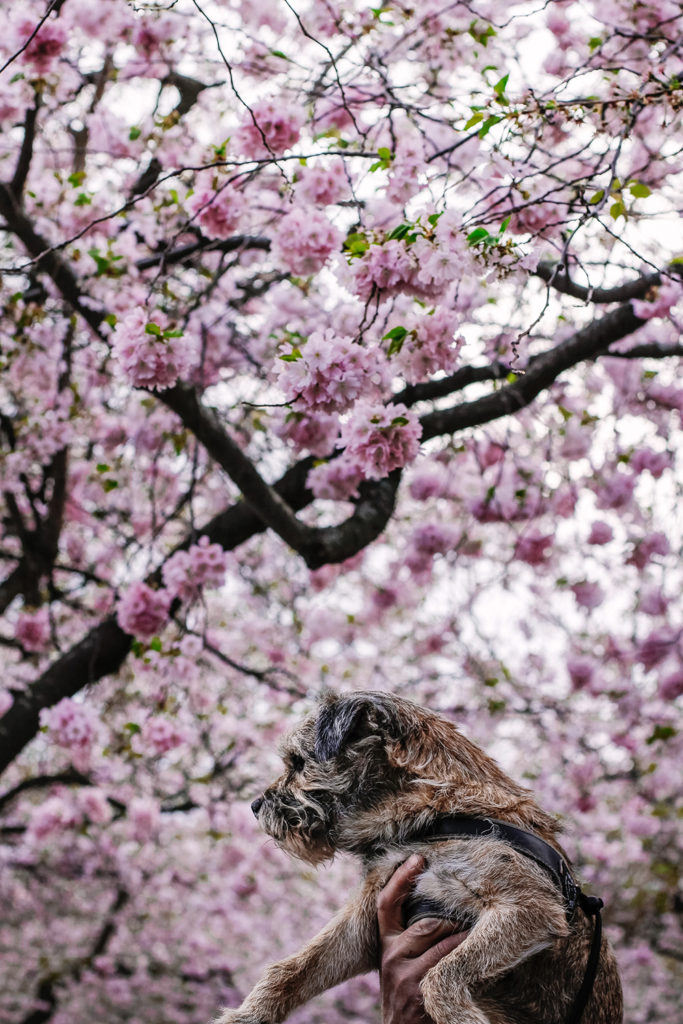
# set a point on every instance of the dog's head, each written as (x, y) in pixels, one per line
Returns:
(342, 761)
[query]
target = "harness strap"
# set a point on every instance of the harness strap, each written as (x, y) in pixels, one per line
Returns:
(462, 827)
(591, 905)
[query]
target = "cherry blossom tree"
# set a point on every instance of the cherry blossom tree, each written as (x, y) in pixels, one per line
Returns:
(339, 348)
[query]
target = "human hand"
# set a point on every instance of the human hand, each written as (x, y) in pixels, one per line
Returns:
(408, 953)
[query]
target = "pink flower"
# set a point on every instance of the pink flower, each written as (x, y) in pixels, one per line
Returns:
(94, 805)
(217, 212)
(434, 538)
(328, 374)
(653, 602)
(654, 462)
(274, 128)
(162, 735)
(588, 595)
(534, 547)
(429, 346)
(46, 46)
(581, 673)
(6, 702)
(323, 183)
(144, 818)
(643, 550)
(143, 612)
(51, 817)
(71, 725)
(671, 686)
(379, 439)
(316, 433)
(33, 630)
(601, 533)
(304, 239)
(665, 296)
(149, 359)
(186, 573)
(657, 646)
(335, 480)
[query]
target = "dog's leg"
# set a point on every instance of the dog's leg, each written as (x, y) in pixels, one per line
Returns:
(502, 937)
(345, 947)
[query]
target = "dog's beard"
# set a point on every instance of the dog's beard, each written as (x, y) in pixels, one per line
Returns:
(300, 824)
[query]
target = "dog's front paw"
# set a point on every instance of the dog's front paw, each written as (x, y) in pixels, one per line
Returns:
(238, 1016)
(446, 1005)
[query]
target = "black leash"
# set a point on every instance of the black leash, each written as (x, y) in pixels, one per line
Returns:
(462, 827)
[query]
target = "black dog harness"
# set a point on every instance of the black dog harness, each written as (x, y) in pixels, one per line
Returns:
(461, 827)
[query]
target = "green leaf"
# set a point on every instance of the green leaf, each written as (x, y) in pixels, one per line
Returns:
(399, 421)
(110, 319)
(499, 87)
(397, 336)
(82, 199)
(401, 231)
(172, 334)
(594, 42)
(384, 154)
(617, 210)
(76, 179)
(488, 124)
(155, 644)
(597, 197)
(478, 235)
(639, 191)
(152, 328)
(291, 357)
(134, 133)
(110, 485)
(280, 54)
(661, 732)
(356, 244)
(477, 116)
(132, 727)
(102, 467)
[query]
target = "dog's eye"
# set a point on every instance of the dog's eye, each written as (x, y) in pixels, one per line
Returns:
(296, 763)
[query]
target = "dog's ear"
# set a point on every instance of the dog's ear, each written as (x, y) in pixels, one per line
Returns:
(342, 720)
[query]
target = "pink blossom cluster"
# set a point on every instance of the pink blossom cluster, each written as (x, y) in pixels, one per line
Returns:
(588, 595)
(186, 573)
(32, 630)
(335, 480)
(645, 548)
(274, 128)
(148, 359)
(666, 296)
(389, 268)
(534, 547)
(143, 612)
(315, 433)
(430, 345)
(217, 212)
(323, 183)
(46, 46)
(329, 374)
(304, 239)
(380, 438)
(72, 725)
(162, 734)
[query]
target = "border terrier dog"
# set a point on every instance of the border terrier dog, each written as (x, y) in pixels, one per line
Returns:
(374, 775)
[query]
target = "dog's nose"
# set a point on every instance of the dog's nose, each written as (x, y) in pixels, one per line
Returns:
(257, 804)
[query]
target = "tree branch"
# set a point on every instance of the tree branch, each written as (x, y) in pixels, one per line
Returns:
(542, 371)
(26, 152)
(557, 277)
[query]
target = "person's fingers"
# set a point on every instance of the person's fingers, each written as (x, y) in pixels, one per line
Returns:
(421, 936)
(390, 899)
(436, 952)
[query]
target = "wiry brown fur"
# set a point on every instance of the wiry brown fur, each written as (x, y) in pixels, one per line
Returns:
(364, 775)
